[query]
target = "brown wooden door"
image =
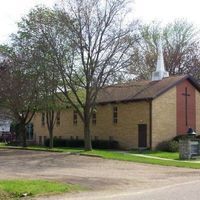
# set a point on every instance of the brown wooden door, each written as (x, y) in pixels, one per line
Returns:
(142, 135)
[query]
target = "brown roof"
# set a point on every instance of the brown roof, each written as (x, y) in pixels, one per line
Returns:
(140, 90)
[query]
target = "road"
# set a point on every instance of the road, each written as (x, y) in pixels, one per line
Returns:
(104, 179)
(180, 191)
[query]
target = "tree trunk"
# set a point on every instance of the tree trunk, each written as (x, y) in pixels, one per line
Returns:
(51, 138)
(23, 135)
(88, 144)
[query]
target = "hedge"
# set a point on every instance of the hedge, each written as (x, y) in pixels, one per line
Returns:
(99, 144)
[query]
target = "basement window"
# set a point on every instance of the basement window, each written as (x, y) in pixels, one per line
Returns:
(115, 114)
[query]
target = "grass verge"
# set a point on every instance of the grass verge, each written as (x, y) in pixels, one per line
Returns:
(19, 188)
(129, 156)
(41, 148)
(135, 158)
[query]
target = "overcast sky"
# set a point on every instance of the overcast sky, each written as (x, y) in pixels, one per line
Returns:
(166, 10)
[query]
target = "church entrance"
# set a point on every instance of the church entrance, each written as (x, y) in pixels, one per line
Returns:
(142, 135)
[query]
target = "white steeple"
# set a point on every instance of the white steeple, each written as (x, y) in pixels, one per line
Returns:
(160, 72)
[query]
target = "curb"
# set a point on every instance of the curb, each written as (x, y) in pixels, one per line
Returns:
(90, 155)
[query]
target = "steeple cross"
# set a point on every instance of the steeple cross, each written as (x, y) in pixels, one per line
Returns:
(186, 105)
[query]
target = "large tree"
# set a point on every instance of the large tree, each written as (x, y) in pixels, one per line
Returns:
(18, 91)
(180, 48)
(32, 34)
(89, 45)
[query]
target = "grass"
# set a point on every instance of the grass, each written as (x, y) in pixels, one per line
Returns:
(4, 195)
(2, 144)
(135, 158)
(17, 188)
(159, 154)
(128, 156)
(41, 148)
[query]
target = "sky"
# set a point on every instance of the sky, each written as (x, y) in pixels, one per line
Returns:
(147, 10)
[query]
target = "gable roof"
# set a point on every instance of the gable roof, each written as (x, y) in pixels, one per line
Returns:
(140, 90)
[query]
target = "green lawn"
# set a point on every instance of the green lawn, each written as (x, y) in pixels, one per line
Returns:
(134, 158)
(160, 154)
(41, 148)
(16, 188)
(128, 156)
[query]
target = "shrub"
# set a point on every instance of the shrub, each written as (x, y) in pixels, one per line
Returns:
(180, 137)
(74, 143)
(105, 144)
(57, 142)
(170, 146)
(173, 146)
(99, 144)
(163, 146)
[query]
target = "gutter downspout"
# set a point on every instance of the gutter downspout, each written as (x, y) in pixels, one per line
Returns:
(150, 124)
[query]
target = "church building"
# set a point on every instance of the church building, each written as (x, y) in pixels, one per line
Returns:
(137, 114)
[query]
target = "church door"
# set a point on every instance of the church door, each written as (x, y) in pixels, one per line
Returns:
(142, 135)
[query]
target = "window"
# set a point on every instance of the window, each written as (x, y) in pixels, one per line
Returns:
(45, 138)
(58, 118)
(110, 138)
(76, 137)
(94, 118)
(71, 137)
(60, 137)
(43, 119)
(115, 115)
(75, 118)
(29, 131)
(40, 140)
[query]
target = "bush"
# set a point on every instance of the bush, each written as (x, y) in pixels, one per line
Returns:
(163, 146)
(170, 146)
(105, 144)
(57, 142)
(99, 144)
(180, 137)
(74, 143)
(173, 146)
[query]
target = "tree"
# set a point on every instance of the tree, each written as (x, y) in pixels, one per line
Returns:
(88, 44)
(180, 47)
(49, 104)
(31, 33)
(18, 92)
